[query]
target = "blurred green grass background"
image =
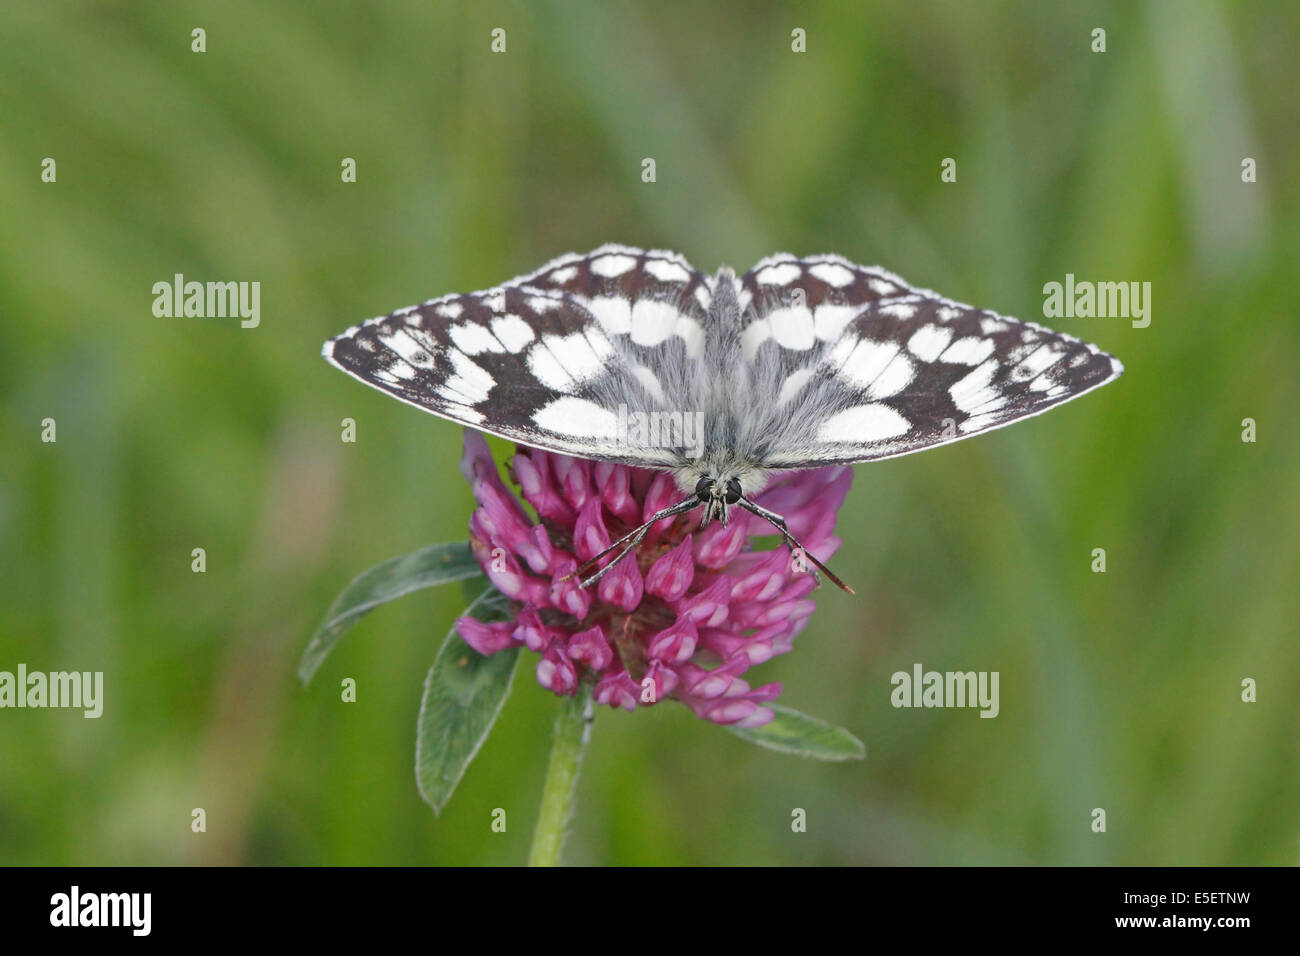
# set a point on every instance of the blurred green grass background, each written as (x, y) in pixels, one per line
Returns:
(1118, 690)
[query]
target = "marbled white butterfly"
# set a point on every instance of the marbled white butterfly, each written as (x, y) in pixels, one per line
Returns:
(798, 363)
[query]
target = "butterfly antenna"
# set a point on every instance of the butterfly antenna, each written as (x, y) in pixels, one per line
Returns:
(779, 523)
(633, 538)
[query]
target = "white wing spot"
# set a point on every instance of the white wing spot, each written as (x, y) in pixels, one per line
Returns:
(473, 339)
(652, 321)
(599, 343)
(407, 347)
(992, 402)
(832, 273)
(650, 381)
(1017, 355)
(561, 276)
(866, 362)
(424, 338)
(613, 313)
(612, 266)
(928, 341)
(898, 310)
(792, 328)
(895, 377)
(840, 352)
(463, 412)
(783, 274)
(863, 424)
(691, 334)
(1038, 361)
(666, 271)
(968, 351)
(974, 390)
(582, 357)
(976, 422)
(513, 332)
(793, 383)
(562, 362)
(577, 417)
(755, 334)
(547, 368)
(541, 303)
(947, 313)
(829, 320)
(469, 380)
(450, 310)
(881, 287)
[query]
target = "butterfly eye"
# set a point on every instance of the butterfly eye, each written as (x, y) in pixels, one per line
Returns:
(733, 491)
(704, 488)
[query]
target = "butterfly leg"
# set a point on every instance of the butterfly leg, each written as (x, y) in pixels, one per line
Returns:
(635, 537)
(631, 546)
(779, 523)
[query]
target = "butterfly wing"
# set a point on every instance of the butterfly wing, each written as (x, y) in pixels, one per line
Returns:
(870, 368)
(545, 359)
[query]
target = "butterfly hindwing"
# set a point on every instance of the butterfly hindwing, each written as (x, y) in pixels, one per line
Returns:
(623, 274)
(831, 287)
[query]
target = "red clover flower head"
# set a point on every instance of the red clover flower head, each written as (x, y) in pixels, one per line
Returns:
(684, 617)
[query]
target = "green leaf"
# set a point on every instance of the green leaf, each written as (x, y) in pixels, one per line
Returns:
(794, 733)
(463, 696)
(436, 564)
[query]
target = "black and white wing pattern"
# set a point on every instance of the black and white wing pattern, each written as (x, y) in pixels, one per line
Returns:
(547, 358)
(863, 366)
(796, 364)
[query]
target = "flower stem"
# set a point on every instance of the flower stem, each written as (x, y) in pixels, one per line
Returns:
(569, 740)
